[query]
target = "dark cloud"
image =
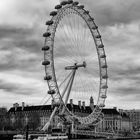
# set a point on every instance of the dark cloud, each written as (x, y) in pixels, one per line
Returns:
(127, 91)
(15, 64)
(130, 71)
(124, 80)
(20, 57)
(29, 44)
(15, 88)
(114, 12)
(9, 31)
(26, 38)
(23, 47)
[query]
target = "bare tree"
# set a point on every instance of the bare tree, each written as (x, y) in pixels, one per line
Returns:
(34, 121)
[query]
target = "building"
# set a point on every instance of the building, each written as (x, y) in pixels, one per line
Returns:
(114, 121)
(126, 123)
(37, 116)
(34, 116)
(134, 117)
(111, 121)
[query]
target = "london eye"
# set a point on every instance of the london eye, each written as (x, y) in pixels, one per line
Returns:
(75, 61)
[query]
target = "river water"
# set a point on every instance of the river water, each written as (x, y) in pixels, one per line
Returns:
(82, 139)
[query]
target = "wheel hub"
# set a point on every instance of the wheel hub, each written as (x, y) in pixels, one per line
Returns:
(76, 66)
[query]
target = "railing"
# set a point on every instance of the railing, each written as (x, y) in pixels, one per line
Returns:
(93, 133)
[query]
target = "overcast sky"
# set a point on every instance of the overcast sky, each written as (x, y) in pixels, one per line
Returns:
(22, 23)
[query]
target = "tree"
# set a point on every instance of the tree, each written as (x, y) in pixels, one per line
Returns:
(3, 118)
(19, 121)
(34, 121)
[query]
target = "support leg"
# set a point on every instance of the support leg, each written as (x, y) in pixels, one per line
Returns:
(49, 122)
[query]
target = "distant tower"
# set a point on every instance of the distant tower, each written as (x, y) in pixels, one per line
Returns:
(91, 103)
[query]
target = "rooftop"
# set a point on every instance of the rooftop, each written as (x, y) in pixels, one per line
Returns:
(73, 107)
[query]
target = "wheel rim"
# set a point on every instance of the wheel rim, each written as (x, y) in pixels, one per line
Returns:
(68, 44)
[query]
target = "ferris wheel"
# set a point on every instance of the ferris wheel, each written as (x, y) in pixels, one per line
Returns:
(75, 61)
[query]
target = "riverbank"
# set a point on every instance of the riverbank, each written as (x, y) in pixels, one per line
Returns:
(6, 137)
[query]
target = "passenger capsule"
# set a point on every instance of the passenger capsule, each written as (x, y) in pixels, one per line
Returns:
(103, 56)
(75, 3)
(45, 48)
(101, 105)
(90, 19)
(51, 92)
(105, 76)
(46, 62)
(48, 77)
(104, 86)
(86, 12)
(95, 27)
(104, 66)
(63, 3)
(58, 7)
(103, 96)
(98, 36)
(101, 46)
(47, 34)
(69, 1)
(50, 22)
(81, 7)
(53, 13)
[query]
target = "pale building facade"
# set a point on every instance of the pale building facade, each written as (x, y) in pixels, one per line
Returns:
(134, 117)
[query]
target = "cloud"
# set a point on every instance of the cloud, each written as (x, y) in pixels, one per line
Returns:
(21, 42)
(25, 13)
(18, 59)
(117, 12)
(22, 24)
(7, 31)
(15, 81)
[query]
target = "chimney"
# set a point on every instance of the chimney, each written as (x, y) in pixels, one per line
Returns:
(71, 102)
(52, 105)
(23, 105)
(115, 108)
(16, 105)
(121, 111)
(83, 104)
(79, 104)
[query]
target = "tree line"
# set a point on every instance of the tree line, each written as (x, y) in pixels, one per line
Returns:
(19, 121)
